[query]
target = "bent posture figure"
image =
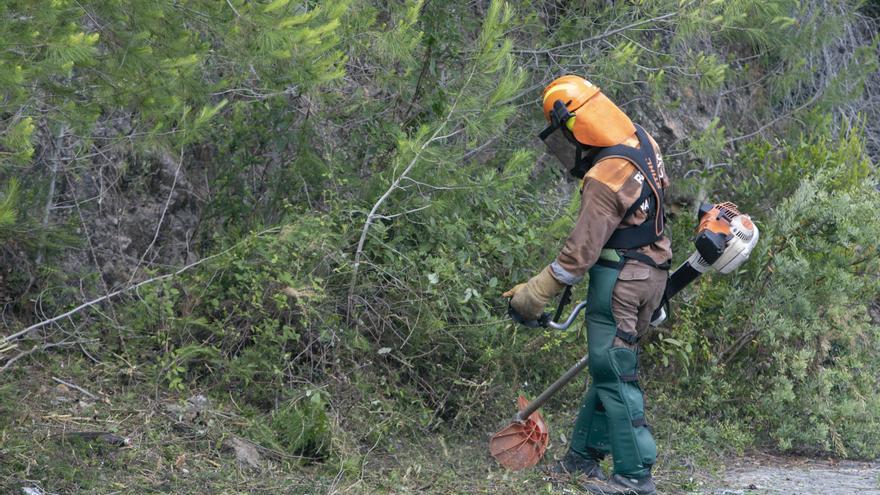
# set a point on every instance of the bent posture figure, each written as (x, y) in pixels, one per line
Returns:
(619, 240)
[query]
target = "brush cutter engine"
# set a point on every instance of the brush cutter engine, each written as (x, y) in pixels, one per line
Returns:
(724, 241)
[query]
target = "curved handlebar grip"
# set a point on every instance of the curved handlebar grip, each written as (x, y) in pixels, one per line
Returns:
(571, 317)
(515, 316)
(546, 319)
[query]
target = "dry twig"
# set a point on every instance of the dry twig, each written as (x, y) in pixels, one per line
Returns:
(75, 387)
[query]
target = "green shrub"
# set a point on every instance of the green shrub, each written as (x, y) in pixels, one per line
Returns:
(787, 344)
(383, 121)
(302, 427)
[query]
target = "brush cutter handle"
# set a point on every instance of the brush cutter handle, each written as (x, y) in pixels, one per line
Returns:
(515, 316)
(558, 384)
(546, 319)
(568, 321)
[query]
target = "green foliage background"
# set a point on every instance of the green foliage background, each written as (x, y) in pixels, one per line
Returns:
(374, 184)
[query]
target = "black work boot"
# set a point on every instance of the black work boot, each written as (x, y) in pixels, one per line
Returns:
(621, 485)
(575, 465)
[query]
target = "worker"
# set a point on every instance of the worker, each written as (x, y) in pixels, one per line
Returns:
(619, 240)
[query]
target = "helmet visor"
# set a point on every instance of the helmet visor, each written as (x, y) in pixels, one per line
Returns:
(561, 146)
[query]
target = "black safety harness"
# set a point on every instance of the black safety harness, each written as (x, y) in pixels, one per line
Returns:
(627, 240)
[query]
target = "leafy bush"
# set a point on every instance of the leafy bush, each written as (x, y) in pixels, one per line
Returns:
(787, 345)
(303, 427)
(251, 317)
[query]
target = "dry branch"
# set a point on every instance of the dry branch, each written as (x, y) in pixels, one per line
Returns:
(395, 184)
(88, 304)
(598, 37)
(75, 387)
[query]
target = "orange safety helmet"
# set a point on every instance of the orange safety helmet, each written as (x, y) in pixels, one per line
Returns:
(597, 121)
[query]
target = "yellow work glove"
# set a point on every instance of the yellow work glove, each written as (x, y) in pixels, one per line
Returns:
(530, 299)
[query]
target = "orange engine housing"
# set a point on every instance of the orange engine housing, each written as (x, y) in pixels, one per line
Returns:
(718, 218)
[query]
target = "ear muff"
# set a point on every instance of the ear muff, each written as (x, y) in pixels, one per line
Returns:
(573, 91)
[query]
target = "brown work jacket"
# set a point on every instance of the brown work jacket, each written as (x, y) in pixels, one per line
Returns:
(608, 190)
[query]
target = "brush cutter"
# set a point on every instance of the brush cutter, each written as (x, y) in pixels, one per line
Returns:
(724, 240)
(523, 442)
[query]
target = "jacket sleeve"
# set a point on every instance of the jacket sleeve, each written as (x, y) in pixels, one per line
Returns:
(603, 205)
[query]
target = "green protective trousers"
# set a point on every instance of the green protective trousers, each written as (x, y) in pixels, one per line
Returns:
(612, 414)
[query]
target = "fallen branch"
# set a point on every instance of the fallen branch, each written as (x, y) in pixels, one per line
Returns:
(37, 348)
(75, 387)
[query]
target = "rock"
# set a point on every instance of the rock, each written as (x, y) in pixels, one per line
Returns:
(198, 404)
(193, 408)
(245, 452)
(146, 214)
(673, 127)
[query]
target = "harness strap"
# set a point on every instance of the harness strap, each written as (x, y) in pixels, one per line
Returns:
(610, 264)
(632, 254)
(644, 258)
(633, 237)
(643, 158)
(629, 338)
(640, 422)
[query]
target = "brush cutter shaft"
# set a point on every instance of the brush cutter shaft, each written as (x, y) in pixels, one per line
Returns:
(558, 384)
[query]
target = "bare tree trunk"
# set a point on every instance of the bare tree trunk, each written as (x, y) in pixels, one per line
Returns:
(55, 164)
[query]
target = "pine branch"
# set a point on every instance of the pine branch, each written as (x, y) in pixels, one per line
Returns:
(228, 2)
(598, 37)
